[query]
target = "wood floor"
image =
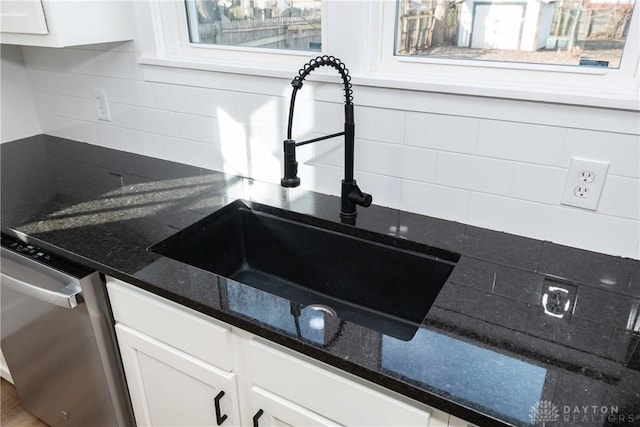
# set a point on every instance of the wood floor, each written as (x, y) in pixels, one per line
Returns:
(13, 415)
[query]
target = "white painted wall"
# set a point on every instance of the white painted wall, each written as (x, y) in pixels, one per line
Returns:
(18, 117)
(494, 163)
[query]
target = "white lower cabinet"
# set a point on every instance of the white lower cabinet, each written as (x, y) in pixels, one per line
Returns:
(186, 369)
(171, 388)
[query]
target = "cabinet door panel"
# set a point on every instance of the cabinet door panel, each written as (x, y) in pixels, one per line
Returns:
(171, 388)
(25, 16)
(278, 412)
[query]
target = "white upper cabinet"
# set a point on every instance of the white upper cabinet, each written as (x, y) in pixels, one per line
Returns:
(25, 16)
(60, 23)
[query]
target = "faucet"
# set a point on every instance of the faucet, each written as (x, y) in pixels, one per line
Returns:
(351, 195)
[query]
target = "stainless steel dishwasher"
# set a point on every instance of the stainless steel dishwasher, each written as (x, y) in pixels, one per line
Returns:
(57, 339)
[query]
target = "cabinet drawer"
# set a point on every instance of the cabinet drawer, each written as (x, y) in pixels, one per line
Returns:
(177, 326)
(325, 392)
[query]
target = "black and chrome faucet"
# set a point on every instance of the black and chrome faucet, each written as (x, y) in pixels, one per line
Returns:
(351, 194)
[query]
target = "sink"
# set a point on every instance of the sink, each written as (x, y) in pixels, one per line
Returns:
(378, 281)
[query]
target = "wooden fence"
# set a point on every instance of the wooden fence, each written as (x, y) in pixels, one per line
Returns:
(592, 23)
(269, 32)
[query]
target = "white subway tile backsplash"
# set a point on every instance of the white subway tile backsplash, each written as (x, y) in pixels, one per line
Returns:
(64, 127)
(441, 132)
(111, 137)
(77, 108)
(434, 200)
(147, 144)
(144, 119)
(522, 142)
(79, 61)
(200, 101)
(130, 92)
(49, 82)
(157, 121)
(510, 215)
(474, 173)
(326, 117)
(384, 189)
(620, 197)
(257, 109)
(123, 115)
(199, 128)
(543, 184)
(377, 124)
(592, 231)
(44, 102)
(325, 179)
(43, 58)
(65, 106)
(131, 46)
(271, 136)
(144, 95)
(483, 162)
(113, 64)
(621, 150)
(192, 152)
(403, 162)
(330, 152)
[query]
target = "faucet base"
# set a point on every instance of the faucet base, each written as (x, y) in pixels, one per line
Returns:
(290, 182)
(351, 197)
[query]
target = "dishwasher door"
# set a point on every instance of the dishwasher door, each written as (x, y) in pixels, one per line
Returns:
(50, 346)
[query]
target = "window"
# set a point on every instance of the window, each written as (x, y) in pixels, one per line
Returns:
(584, 52)
(567, 32)
(276, 24)
(420, 48)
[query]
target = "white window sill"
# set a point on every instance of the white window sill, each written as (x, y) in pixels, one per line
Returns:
(616, 99)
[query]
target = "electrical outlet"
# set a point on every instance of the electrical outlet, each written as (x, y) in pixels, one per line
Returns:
(584, 184)
(587, 176)
(581, 191)
(102, 105)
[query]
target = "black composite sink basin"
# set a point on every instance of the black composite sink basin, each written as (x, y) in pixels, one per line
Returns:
(378, 281)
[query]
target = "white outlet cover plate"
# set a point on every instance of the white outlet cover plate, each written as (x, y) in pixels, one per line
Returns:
(576, 169)
(101, 104)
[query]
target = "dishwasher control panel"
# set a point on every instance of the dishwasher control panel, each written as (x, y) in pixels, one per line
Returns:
(43, 256)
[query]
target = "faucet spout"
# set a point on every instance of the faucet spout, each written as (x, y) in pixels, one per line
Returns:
(351, 195)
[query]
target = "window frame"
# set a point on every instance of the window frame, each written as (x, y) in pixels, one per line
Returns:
(173, 30)
(372, 61)
(570, 84)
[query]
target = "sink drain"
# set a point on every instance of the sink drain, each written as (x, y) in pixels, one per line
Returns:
(323, 309)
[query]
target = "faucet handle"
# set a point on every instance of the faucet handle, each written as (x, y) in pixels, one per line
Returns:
(360, 198)
(352, 196)
(290, 178)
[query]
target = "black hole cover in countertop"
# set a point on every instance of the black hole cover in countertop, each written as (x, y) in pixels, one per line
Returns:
(377, 281)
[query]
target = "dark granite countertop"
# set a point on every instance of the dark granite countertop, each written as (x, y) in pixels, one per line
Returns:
(523, 332)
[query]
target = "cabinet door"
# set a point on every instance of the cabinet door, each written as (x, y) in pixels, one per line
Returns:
(25, 16)
(329, 393)
(272, 411)
(171, 388)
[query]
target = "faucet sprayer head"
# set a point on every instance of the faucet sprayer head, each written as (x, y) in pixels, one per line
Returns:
(290, 178)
